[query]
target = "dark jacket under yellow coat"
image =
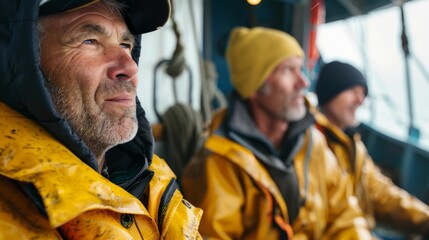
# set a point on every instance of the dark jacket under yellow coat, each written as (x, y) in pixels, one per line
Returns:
(79, 202)
(378, 196)
(241, 201)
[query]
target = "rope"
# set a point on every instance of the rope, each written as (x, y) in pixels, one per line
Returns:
(183, 126)
(183, 136)
(177, 63)
(211, 90)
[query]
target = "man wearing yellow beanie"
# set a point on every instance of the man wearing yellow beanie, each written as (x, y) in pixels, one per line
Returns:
(266, 172)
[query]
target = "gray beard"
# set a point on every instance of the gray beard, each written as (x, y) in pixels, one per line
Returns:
(99, 132)
(295, 115)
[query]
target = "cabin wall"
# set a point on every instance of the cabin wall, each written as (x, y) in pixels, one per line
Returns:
(404, 162)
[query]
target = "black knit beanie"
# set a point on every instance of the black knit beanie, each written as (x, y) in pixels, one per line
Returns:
(336, 77)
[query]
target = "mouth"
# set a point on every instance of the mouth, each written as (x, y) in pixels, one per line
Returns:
(124, 99)
(298, 99)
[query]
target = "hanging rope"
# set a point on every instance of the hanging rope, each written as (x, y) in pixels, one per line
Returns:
(205, 100)
(211, 90)
(183, 134)
(177, 63)
(182, 130)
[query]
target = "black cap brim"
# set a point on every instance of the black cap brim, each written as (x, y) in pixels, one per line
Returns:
(141, 16)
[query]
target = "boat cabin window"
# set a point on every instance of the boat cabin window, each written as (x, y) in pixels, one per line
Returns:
(372, 43)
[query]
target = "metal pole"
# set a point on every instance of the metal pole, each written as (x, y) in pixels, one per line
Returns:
(412, 131)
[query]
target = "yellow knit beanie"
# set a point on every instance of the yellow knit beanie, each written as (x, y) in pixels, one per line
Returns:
(252, 54)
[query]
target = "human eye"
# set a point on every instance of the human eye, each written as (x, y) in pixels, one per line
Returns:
(287, 69)
(89, 41)
(128, 46)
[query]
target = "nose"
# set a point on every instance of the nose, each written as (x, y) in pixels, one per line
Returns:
(302, 80)
(122, 67)
(360, 96)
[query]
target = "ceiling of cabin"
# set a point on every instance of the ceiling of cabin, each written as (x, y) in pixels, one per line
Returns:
(340, 9)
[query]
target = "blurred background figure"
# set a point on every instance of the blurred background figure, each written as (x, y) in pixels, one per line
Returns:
(266, 172)
(341, 90)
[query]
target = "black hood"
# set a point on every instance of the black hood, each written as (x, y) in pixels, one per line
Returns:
(22, 84)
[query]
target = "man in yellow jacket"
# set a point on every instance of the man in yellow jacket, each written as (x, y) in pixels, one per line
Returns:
(341, 89)
(266, 172)
(76, 150)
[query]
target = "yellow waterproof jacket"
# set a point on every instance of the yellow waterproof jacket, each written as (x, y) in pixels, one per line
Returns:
(241, 201)
(378, 196)
(79, 202)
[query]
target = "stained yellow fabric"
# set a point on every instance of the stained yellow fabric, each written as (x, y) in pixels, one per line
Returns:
(377, 194)
(77, 199)
(236, 193)
(253, 53)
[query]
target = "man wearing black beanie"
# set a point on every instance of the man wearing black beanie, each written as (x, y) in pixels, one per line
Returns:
(336, 77)
(341, 90)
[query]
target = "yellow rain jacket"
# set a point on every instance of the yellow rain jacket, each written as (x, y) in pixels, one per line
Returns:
(79, 203)
(241, 201)
(378, 196)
